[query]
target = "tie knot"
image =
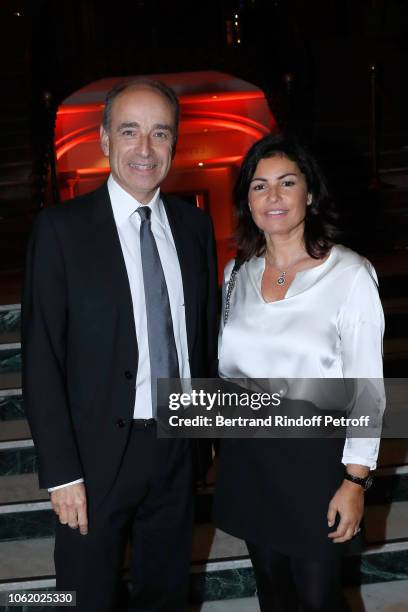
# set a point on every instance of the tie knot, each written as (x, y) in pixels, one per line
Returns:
(144, 212)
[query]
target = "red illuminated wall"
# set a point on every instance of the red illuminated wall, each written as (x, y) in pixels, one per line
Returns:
(217, 128)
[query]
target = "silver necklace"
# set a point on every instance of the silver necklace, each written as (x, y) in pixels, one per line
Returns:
(281, 280)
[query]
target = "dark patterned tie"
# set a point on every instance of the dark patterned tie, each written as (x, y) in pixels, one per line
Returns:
(162, 346)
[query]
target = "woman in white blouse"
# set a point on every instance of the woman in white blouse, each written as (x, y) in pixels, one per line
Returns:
(301, 306)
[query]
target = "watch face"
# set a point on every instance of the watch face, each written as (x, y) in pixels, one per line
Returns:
(369, 482)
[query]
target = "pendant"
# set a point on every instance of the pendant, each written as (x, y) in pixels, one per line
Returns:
(281, 279)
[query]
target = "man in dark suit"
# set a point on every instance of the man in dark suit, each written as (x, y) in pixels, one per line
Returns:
(120, 289)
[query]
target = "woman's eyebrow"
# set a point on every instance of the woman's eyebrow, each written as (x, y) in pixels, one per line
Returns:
(278, 178)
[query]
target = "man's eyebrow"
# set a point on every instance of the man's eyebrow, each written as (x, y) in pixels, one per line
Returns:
(278, 178)
(163, 126)
(134, 124)
(130, 124)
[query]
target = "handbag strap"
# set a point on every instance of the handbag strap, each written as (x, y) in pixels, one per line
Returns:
(230, 287)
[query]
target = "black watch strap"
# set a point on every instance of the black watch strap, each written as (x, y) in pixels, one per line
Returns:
(363, 482)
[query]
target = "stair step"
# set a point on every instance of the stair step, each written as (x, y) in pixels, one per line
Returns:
(17, 458)
(385, 523)
(26, 559)
(31, 520)
(22, 488)
(14, 430)
(11, 405)
(10, 322)
(380, 597)
(29, 564)
(10, 380)
(10, 357)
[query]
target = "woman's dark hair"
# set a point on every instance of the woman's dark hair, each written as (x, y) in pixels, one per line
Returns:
(321, 218)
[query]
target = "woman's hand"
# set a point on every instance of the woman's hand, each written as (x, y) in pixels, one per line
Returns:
(348, 501)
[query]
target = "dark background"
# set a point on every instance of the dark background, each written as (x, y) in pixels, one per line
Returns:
(311, 58)
(326, 44)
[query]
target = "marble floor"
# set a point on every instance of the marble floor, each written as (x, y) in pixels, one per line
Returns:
(21, 562)
(381, 597)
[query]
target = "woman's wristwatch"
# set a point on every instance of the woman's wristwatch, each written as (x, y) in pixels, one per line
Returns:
(363, 482)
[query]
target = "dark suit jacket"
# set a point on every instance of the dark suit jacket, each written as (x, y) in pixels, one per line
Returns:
(80, 354)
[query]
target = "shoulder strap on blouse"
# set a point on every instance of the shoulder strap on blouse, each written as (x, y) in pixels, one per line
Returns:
(230, 287)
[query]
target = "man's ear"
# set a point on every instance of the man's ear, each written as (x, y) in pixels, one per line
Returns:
(104, 138)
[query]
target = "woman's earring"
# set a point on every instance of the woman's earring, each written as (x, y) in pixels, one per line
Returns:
(249, 206)
(309, 199)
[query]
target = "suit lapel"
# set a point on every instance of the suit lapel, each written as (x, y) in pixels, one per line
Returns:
(110, 262)
(184, 241)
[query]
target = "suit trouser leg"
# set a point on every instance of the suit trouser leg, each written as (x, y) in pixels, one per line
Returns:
(162, 535)
(91, 565)
(152, 490)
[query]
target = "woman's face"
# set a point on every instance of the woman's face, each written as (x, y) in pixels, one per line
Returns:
(278, 196)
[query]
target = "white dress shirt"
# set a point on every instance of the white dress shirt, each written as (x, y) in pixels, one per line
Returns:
(329, 325)
(128, 222)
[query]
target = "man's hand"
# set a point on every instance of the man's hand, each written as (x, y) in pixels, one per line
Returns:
(69, 503)
(348, 501)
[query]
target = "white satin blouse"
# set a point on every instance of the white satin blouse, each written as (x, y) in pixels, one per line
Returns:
(329, 325)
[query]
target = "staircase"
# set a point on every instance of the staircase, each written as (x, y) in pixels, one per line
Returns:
(221, 571)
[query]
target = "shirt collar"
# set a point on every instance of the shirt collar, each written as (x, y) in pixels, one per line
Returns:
(124, 204)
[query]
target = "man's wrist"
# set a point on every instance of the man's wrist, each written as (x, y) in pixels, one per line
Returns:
(67, 484)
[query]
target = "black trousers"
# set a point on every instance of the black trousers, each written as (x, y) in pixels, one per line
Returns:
(151, 501)
(284, 583)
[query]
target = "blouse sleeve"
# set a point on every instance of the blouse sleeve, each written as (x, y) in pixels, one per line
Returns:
(361, 329)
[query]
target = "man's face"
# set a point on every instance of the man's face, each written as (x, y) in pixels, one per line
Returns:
(140, 140)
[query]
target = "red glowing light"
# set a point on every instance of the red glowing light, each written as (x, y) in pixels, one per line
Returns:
(221, 117)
